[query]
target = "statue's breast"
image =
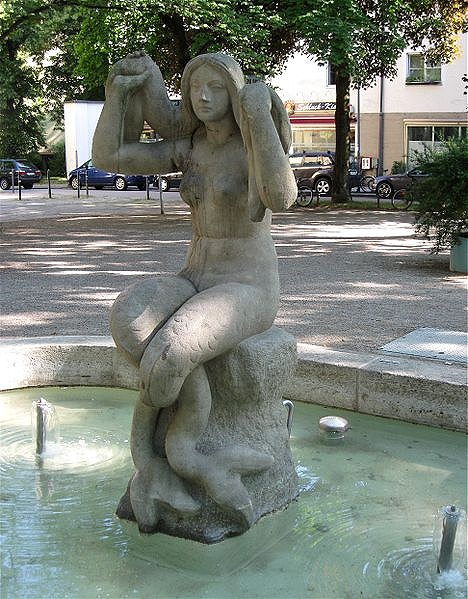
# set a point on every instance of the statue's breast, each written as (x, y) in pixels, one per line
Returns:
(218, 180)
(191, 187)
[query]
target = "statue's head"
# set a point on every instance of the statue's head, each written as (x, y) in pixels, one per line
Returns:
(223, 78)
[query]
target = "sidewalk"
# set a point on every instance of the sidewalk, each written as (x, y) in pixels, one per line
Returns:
(350, 280)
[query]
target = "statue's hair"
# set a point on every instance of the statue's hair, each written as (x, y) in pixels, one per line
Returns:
(234, 77)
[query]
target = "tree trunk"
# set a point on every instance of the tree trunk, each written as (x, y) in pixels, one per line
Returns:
(340, 191)
(176, 26)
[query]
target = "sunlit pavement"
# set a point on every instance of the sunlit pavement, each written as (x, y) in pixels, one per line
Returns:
(350, 279)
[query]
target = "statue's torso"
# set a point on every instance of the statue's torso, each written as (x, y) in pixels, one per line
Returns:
(226, 245)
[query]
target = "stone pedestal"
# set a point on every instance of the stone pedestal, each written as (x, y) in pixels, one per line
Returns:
(247, 411)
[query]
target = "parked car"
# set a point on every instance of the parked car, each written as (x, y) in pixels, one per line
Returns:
(168, 181)
(24, 171)
(387, 185)
(315, 171)
(98, 178)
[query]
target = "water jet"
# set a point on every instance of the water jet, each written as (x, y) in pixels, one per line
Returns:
(451, 517)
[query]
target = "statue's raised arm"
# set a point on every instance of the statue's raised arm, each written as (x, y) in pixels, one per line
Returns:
(267, 136)
(135, 93)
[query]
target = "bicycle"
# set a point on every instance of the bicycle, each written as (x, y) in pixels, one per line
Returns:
(304, 196)
(364, 184)
(402, 199)
(367, 183)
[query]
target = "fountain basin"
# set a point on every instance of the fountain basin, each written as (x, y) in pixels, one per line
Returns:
(362, 525)
(408, 389)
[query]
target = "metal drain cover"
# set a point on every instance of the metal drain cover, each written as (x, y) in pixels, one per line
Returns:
(431, 343)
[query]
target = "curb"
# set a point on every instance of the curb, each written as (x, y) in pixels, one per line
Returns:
(420, 391)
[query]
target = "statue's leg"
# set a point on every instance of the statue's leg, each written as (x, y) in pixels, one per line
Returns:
(206, 326)
(220, 473)
(137, 314)
(141, 309)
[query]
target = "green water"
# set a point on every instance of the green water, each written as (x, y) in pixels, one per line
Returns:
(362, 526)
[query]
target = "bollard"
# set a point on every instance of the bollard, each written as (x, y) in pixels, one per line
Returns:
(160, 195)
(48, 183)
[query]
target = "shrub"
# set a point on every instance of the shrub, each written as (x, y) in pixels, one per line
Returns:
(398, 166)
(57, 163)
(443, 195)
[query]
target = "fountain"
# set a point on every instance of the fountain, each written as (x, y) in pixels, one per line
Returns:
(210, 434)
(451, 518)
(364, 514)
(43, 420)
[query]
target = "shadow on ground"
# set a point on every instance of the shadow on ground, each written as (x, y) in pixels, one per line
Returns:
(350, 280)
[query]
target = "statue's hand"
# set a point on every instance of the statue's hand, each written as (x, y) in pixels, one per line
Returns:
(131, 73)
(255, 98)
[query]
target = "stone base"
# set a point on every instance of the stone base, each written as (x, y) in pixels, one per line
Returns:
(247, 386)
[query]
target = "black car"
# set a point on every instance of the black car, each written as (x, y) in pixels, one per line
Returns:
(98, 178)
(16, 169)
(168, 181)
(386, 185)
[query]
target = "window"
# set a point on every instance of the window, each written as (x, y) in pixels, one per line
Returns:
(431, 136)
(313, 139)
(331, 75)
(295, 161)
(420, 71)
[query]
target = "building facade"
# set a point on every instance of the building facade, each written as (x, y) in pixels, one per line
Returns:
(422, 106)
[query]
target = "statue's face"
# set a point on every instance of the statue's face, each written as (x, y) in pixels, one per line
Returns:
(209, 94)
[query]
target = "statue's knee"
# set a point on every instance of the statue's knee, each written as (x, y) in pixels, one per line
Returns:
(139, 312)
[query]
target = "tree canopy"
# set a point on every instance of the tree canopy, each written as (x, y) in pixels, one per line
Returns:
(57, 50)
(62, 49)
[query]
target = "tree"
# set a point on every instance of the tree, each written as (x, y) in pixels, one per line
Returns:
(362, 40)
(74, 42)
(35, 36)
(174, 32)
(19, 97)
(67, 46)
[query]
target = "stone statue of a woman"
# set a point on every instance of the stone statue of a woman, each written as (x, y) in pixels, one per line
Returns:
(230, 140)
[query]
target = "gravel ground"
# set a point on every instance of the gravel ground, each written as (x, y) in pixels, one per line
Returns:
(350, 279)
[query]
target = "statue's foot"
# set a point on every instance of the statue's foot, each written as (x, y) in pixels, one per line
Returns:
(157, 486)
(221, 478)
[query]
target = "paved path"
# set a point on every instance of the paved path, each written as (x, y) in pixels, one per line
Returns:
(350, 279)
